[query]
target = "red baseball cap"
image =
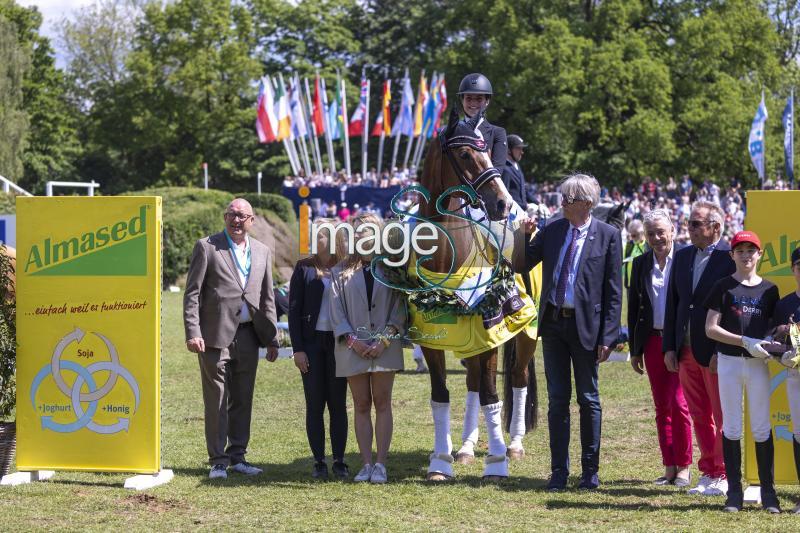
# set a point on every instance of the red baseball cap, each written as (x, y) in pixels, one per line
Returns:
(745, 236)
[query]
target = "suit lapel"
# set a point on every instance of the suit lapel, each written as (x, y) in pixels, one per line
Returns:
(256, 264)
(225, 252)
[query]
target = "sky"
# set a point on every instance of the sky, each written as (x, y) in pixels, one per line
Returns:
(52, 12)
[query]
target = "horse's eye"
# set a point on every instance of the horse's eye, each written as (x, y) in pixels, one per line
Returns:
(464, 155)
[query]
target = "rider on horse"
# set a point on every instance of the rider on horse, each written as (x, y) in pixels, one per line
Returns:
(475, 93)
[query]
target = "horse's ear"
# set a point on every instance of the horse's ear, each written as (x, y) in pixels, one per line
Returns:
(451, 121)
(474, 121)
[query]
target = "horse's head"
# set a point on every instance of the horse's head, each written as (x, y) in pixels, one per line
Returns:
(468, 155)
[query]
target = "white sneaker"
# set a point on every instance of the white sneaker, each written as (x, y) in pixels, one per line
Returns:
(218, 472)
(365, 474)
(704, 482)
(246, 468)
(718, 487)
(378, 474)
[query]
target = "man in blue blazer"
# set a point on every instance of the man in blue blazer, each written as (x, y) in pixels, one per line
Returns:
(579, 318)
(687, 350)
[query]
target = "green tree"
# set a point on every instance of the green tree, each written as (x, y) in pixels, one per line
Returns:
(14, 65)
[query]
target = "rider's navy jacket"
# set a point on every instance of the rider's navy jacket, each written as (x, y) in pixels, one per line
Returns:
(495, 138)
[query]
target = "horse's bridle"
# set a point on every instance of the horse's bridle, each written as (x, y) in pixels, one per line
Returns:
(477, 144)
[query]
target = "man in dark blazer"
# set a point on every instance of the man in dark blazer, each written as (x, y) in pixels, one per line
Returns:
(579, 318)
(687, 349)
(647, 302)
(512, 176)
(228, 312)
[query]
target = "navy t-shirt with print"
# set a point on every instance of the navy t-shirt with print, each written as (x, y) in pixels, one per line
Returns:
(744, 310)
(787, 307)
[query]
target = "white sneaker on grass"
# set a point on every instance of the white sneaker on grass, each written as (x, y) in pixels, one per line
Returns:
(364, 474)
(700, 488)
(718, 487)
(378, 474)
(246, 468)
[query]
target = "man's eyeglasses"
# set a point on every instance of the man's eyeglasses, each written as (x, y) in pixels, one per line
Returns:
(569, 200)
(694, 224)
(244, 217)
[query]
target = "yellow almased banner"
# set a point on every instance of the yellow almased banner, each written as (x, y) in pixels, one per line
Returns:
(773, 215)
(89, 333)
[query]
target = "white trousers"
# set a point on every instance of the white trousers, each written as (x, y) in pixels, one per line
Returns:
(793, 393)
(735, 375)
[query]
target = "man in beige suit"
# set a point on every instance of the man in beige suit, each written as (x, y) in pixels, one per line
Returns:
(228, 312)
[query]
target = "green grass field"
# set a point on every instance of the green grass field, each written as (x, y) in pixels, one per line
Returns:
(285, 498)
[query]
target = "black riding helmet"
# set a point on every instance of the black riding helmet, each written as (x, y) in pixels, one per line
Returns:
(475, 83)
(515, 141)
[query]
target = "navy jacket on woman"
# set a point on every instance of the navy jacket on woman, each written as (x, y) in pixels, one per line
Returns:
(685, 309)
(640, 308)
(495, 138)
(305, 298)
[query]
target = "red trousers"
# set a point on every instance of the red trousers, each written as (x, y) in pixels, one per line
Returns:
(701, 389)
(672, 414)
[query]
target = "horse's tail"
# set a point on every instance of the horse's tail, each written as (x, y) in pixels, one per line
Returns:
(532, 398)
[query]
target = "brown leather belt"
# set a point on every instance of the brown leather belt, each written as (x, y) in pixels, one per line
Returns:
(564, 312)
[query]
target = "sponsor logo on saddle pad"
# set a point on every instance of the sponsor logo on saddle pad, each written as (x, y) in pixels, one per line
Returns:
(118, 248)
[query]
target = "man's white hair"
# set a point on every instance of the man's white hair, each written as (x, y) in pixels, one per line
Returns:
(581, 187)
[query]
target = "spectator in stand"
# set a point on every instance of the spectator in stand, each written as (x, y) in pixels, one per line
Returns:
(344, 212)
(633, 248)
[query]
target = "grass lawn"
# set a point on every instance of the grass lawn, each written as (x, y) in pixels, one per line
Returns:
(285, 498)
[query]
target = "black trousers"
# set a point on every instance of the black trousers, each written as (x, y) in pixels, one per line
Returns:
(322, 387)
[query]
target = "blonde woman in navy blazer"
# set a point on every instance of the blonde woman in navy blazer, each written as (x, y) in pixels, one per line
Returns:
(311, 330)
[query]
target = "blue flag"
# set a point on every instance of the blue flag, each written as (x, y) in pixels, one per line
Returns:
(788, 137)
(756, 140)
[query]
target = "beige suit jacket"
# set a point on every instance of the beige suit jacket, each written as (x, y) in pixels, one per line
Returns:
(351, 313)
(212, 303)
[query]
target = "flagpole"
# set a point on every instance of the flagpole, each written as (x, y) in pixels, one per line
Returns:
(764, 151)
(791, 183)
(317, 155)
(399, 134)
(328, 141)
(300, 141)
(345, 127)
(383, 128)
(286, 146)
(307, 149)
(365, 132)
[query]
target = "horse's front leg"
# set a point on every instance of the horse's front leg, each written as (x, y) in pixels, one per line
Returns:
(440, 467)
(521, 385)
(469, 436)
(496, 463)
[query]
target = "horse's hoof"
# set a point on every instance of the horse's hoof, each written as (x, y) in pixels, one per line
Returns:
(465, 458)
(494, 479)
(516, 454)
(437, 477)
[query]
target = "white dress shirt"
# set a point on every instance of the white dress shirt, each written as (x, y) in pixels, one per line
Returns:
(657, 289)
(241, 251)
(569, 296)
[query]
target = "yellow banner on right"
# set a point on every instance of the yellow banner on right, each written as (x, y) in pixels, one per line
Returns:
(773, 215)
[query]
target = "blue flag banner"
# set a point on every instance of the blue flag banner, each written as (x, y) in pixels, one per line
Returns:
(756, 140)
(788, 137)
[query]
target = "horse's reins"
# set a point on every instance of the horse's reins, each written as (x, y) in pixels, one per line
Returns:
(477, 144)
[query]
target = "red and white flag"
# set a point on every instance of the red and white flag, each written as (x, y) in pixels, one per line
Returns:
(356, 127)
(266, 120)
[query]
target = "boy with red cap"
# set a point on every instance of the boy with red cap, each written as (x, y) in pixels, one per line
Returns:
(787, 311)
(740, 308)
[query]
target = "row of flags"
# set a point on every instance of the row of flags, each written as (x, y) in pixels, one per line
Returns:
(280, 116)
(755, 143)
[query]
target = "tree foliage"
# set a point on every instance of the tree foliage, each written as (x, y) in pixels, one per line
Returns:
(619, 88)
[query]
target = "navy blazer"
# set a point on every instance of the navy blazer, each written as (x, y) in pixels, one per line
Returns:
(515, 183)
(495, 138)
(598, 281)
(640, 308)
(685, 307)
(305, 299)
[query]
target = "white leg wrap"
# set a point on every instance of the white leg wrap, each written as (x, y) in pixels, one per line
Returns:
(494, 429)
(495, 465)
(441, 463)
(442, 443)
(518, 417)
(471, 414)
